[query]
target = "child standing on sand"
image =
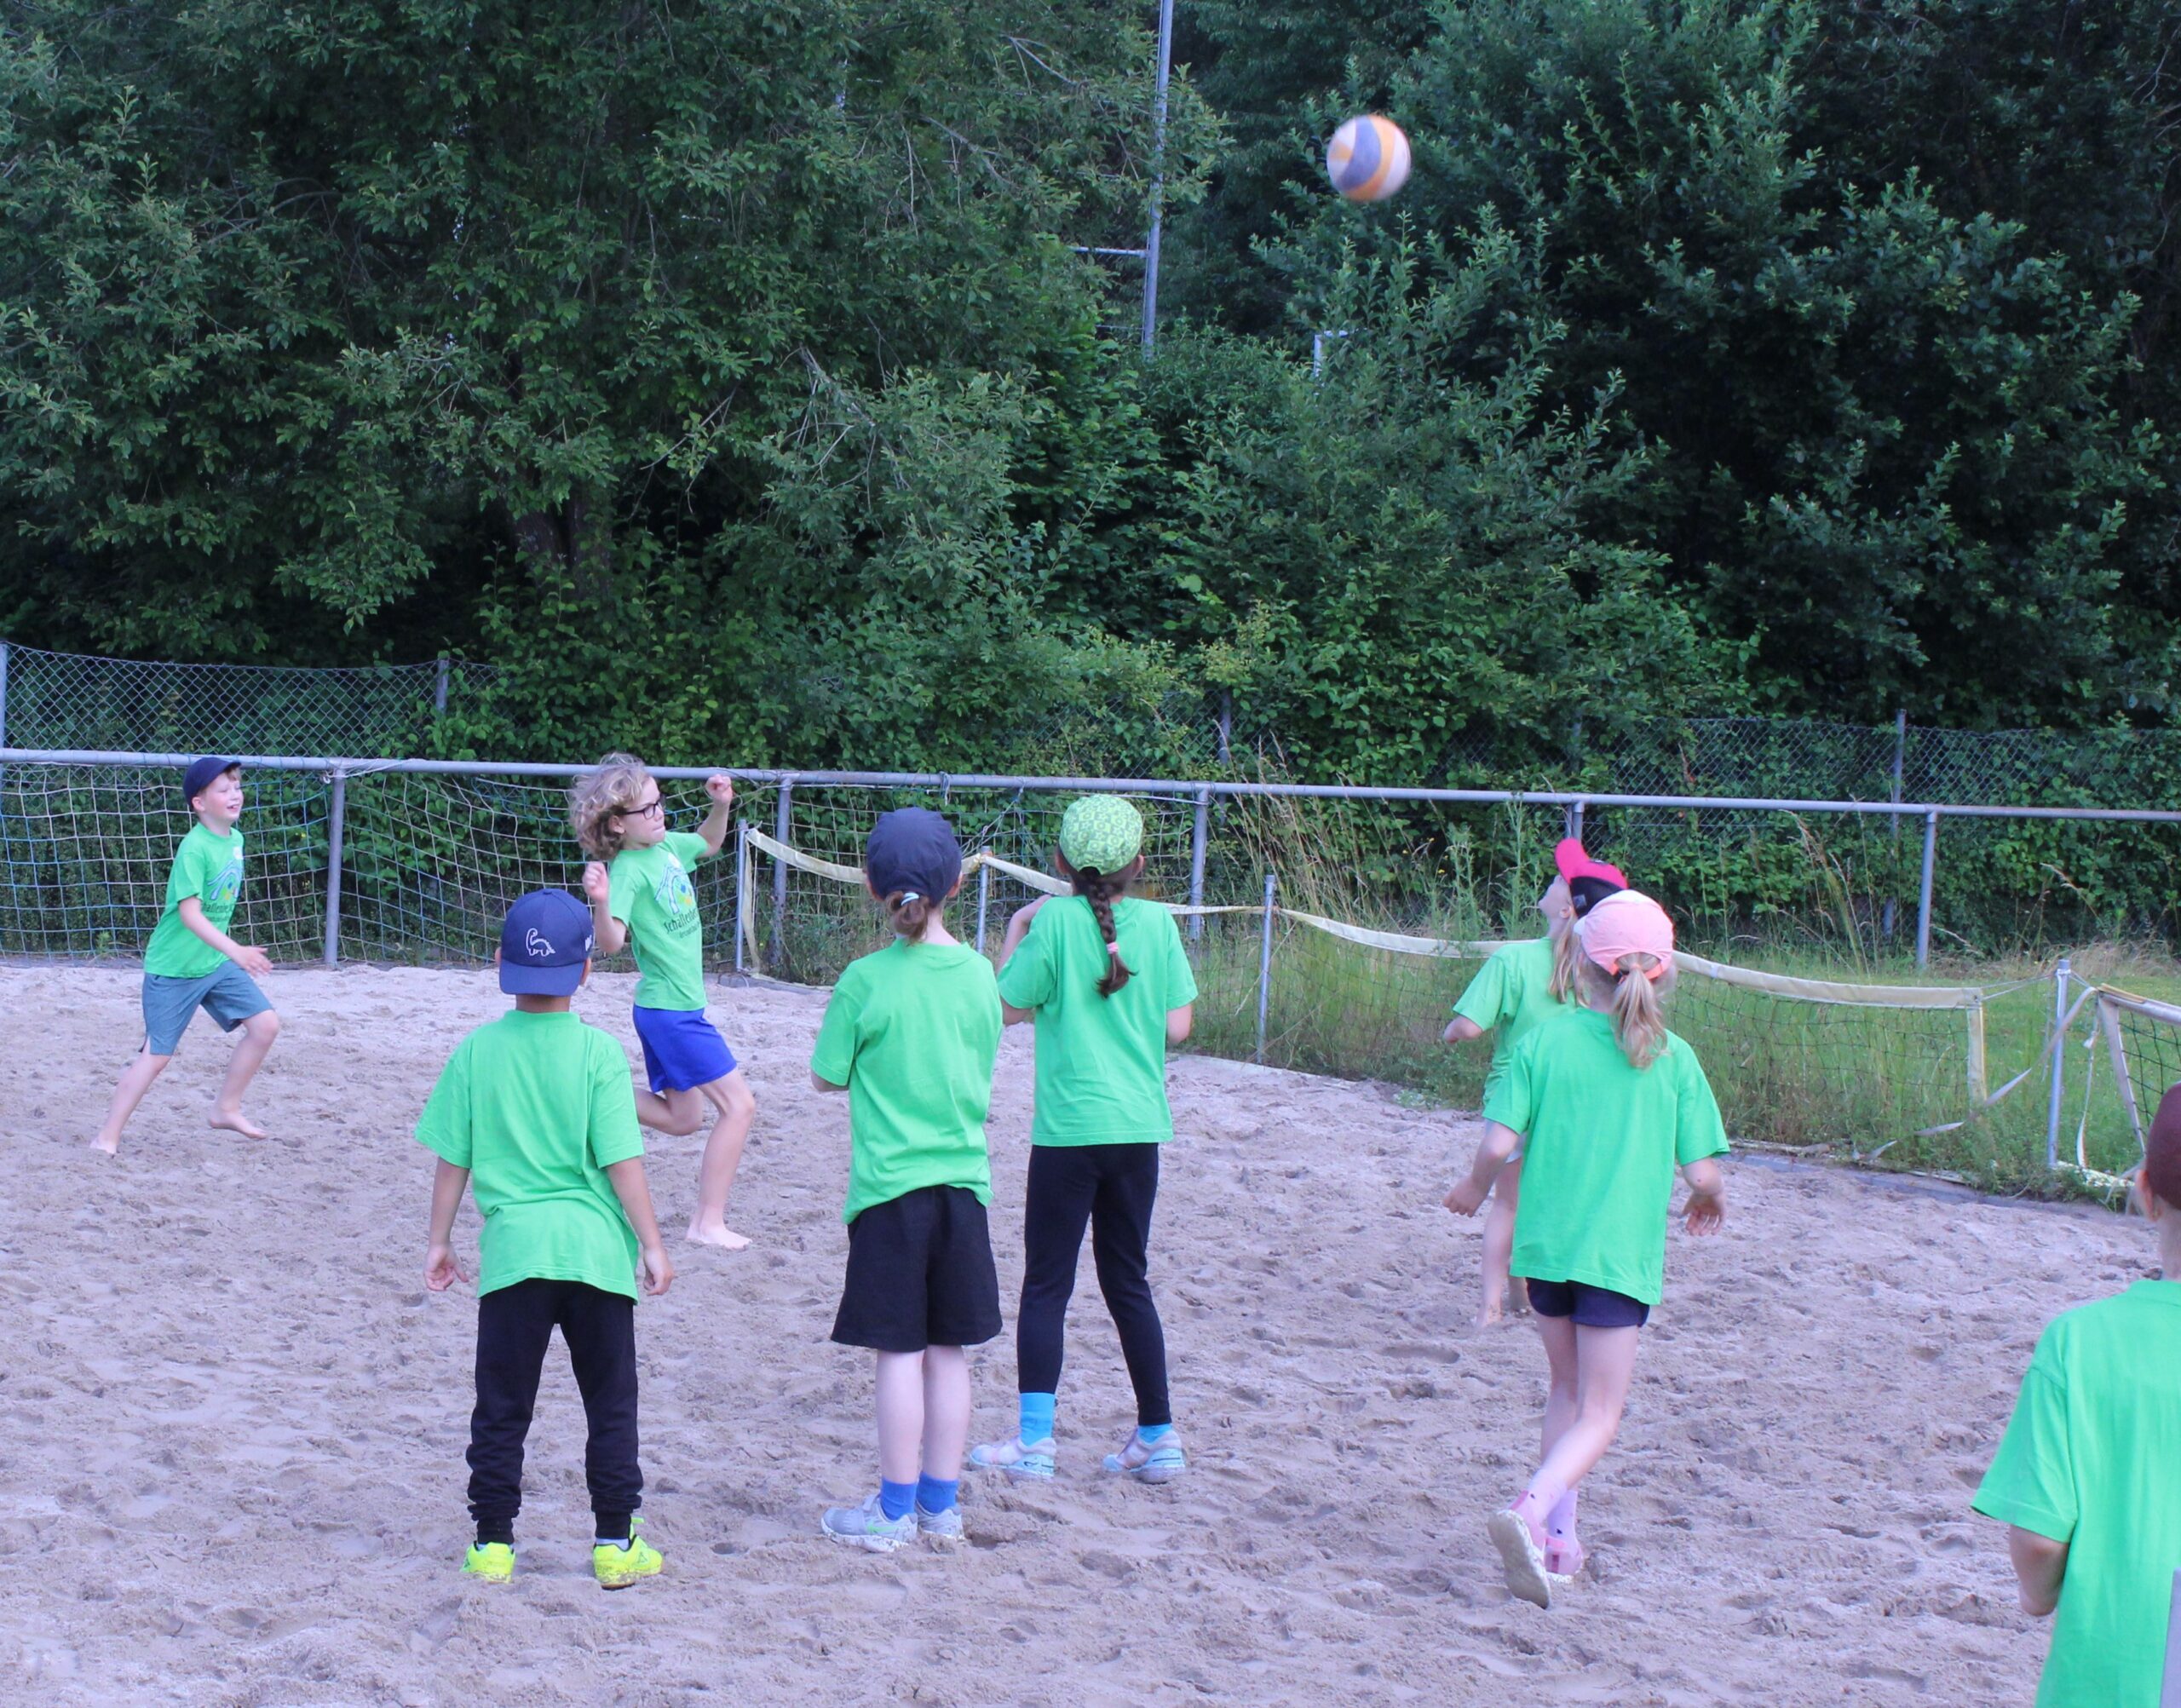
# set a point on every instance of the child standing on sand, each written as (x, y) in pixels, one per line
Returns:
(1605, 1103)
(1109, 984)
(644, 898)
(191, 963)
(1523, 984)
(910, 1034)
(2088, 1475)
(536, 1111)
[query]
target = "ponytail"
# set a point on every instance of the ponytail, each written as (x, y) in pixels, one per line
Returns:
(1634, 1001)
(1102, 890)
(910, 913)
(1566, 954)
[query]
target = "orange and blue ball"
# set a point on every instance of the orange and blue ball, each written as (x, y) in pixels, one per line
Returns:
(1367, 158)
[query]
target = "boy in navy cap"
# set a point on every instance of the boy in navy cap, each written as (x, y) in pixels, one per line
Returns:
(535, 1111)
(191, 963)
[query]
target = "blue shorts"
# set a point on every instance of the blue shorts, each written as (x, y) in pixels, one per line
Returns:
(228, 993)
(1591, 1307)
(683, 1049)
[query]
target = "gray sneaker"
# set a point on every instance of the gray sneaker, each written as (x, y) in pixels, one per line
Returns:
(1159, 1461)
(942, 1528)
(868, 1527)
(1018, 1458)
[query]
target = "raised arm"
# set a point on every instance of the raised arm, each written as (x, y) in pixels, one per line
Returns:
(720, 821)
(2039, 1565)
(254, 962)
(610, 936)
(1498, 1144)
(627, 1179)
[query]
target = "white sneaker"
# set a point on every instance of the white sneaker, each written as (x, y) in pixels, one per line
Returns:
(1159, 1461)
(1018, 1458)
(867, 1525)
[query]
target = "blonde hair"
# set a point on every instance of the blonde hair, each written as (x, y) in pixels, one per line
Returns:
(615, 787)
(1567, 954)
(1634, 1001)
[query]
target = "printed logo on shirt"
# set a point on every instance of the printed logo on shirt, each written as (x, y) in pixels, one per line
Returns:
(226, 886)
(676, 896)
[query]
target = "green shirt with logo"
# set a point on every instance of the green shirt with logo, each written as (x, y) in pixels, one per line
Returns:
(536, 1106)
(1101, 1061)
(2090, 1458)
(912, 1032)
(209, 868)
(649, 891)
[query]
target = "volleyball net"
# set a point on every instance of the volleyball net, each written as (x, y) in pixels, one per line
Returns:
(1348, 964)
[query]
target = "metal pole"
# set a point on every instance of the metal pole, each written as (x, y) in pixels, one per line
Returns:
(1158, 178)
(1575, 819)
(783, 821)
(337, 823)
(741, 892)
(2059, 1066)
(4, 693)
(1900, 756)
(1923, 896)
(984, 899)
(1265, 966)
(439, 689)
(1199, 839)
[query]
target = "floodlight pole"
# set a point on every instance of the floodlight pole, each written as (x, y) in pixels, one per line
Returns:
(1158, 177)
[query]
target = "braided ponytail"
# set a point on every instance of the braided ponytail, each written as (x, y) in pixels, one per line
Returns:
(1102, 890)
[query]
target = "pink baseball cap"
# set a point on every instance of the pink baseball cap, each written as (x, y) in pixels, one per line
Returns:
(1627, 924)
(1573, 863)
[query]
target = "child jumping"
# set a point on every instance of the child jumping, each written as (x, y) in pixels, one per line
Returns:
(1520, 985)
(1605, 1103)
(191, 963)
(1109, 984)
(2086, 1476)
(645, 899)
(536, 1111)
(910, 1033)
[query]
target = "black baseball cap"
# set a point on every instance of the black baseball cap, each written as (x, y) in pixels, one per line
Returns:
(545, 944)
(913, 851)
(203, 772)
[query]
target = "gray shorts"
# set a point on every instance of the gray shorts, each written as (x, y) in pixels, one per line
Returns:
(228, 993)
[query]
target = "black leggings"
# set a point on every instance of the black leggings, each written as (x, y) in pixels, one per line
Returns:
(515, 1328)
(1112, 1187)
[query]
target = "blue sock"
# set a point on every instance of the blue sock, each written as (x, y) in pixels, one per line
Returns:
(1037, 1416)
(894, 1498)
(934, 1496)
(1153, 1432)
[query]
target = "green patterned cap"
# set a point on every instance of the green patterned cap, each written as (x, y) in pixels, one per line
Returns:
(1101, 833)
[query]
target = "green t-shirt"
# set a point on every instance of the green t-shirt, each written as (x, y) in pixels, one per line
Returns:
(912, 1032)
(2089, 1459)
(1101, 1061)
(209, 868)
(1601, 1140)
(649, 891)
(1511, 994)
(536, 1106)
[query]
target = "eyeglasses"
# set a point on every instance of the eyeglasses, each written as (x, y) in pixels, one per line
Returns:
(650, 809)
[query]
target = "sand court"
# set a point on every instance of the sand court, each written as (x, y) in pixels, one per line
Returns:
(232, 1420)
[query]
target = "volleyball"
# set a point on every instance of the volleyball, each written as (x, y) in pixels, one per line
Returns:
(1367, 158)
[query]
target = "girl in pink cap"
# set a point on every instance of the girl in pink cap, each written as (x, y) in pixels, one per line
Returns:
(1605, 1104)
(1523, 984)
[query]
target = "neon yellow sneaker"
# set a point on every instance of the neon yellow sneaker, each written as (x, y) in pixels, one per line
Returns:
(616, 1568)
(494, 1562)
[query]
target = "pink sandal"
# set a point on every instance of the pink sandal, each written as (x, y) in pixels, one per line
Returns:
(1564, 1559)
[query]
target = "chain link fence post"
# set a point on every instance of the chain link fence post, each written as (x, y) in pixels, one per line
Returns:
(4, 693)
(335, 827)
(1923, 896)
(1265, 966)
(1200, 840)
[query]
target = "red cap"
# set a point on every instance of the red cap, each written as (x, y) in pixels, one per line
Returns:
(1573, 863)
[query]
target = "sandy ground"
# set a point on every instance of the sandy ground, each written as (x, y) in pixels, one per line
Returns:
(233, 1420)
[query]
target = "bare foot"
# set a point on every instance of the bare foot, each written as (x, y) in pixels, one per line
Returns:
(716, 1233)
(234, 1121)
(108, 1142)
(1487, 1313)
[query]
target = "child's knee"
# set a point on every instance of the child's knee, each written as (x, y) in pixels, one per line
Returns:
(264, 1025)
(735, 1096)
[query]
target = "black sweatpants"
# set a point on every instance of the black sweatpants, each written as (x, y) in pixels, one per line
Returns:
(1112, 1187)
(515, 1326)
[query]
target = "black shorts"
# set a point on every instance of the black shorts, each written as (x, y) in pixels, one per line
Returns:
(1591, 1307)
(920, 1274)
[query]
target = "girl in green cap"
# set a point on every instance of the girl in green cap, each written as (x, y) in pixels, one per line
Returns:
(1105, 978)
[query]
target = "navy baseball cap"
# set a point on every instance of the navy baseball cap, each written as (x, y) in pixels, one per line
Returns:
(545, 944)
(913, 851)
(203, 772)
